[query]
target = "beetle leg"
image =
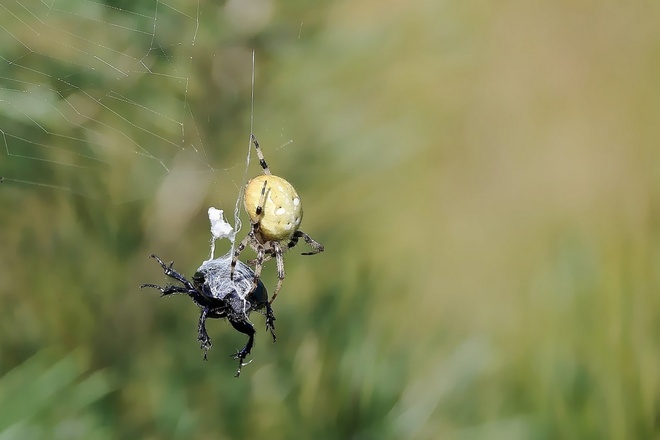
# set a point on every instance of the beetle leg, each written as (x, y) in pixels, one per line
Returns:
(245, 327)
(167, 290)
(202, 335)
(270, 321)
(170, 272)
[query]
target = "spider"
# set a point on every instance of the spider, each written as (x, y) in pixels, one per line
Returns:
(275, 212)
(217, 297)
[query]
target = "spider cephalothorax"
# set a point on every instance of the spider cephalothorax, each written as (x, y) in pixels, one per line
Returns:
(218, 297)
(275, 212)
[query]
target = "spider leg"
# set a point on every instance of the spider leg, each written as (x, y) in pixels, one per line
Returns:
(277, 250)
(202, 335)
(268, 254)
(258, 265)
(234, 259)
(315, 245)
(260, 154)
(259, 210)
(245, 327)
(252, 235)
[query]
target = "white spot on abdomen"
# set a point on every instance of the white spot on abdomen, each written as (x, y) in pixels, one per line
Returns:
(296, 201)
(280, 211)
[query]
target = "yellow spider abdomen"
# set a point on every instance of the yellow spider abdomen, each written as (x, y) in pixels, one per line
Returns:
(281, 208)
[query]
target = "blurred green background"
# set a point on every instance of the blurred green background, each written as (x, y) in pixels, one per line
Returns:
(484, 177)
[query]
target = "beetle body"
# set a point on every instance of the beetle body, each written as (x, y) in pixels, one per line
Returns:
(219, 297)
(224, 297)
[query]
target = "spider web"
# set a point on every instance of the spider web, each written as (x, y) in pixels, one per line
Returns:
(89, 88)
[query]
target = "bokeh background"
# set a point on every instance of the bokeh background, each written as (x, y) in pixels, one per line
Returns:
(484, 175)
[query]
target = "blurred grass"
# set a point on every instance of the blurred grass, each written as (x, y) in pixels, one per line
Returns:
(484, 178)
(48, 398)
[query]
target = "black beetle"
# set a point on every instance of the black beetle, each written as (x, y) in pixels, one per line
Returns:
(220, 297)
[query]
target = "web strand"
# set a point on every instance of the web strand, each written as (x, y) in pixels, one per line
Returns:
(90, 86)
(237, 207)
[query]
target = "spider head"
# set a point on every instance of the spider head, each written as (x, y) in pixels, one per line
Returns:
(275, 204)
